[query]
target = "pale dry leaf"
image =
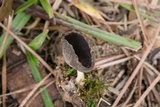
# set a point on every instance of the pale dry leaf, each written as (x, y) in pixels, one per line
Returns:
(87, 8)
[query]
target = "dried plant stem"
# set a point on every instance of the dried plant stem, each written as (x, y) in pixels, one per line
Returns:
(4, 79)
(115, 62)
(146, 52)
(149, 66)
(140, 21)
(147, 91)
(155, 92)
(130, 95)
(105, 60)
(140, 81)
(118, 77)
(135, 21)
(34, 24)
(4, 69)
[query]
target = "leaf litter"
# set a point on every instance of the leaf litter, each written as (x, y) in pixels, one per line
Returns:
(127, 77)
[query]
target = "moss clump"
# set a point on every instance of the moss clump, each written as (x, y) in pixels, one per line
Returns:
(92, 91)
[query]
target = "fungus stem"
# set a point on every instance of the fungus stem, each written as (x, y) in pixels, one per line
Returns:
(80, 78)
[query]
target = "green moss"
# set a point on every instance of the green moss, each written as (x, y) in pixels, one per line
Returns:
(90, 103)
(70, 72)
(92, 91)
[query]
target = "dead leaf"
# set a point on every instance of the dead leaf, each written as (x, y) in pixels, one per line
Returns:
(87, 8)
(5, 9)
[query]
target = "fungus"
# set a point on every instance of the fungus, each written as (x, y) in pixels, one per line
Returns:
(77, 54)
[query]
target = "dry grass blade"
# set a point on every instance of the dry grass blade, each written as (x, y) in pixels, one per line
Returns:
(147, 91)
(121, 1)
(153, 83)
(109, 59)
(141, 22)
(146, 52)
(130, 95)
(103, 101)
(56, 4)
(149, 66)
(114, 62)
(4, 79)
(155, 92)
(34, 24)
(121, 23)
(4, 69)
(118, 77)
(140, 81)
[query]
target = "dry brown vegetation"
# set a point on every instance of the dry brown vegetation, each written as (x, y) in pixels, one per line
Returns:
(126, 70)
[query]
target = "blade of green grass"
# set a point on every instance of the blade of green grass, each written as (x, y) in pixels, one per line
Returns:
(37, 77)
(37, 42)
(33, 62)
(18, 23)
(47, 7)
(6, 45)
(25, 6)
(33, 66)
(98, 33)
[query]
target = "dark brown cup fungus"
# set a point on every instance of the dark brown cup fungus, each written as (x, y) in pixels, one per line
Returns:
(77, 54)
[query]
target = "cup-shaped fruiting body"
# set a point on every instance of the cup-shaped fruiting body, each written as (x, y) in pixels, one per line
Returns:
(77, 52)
